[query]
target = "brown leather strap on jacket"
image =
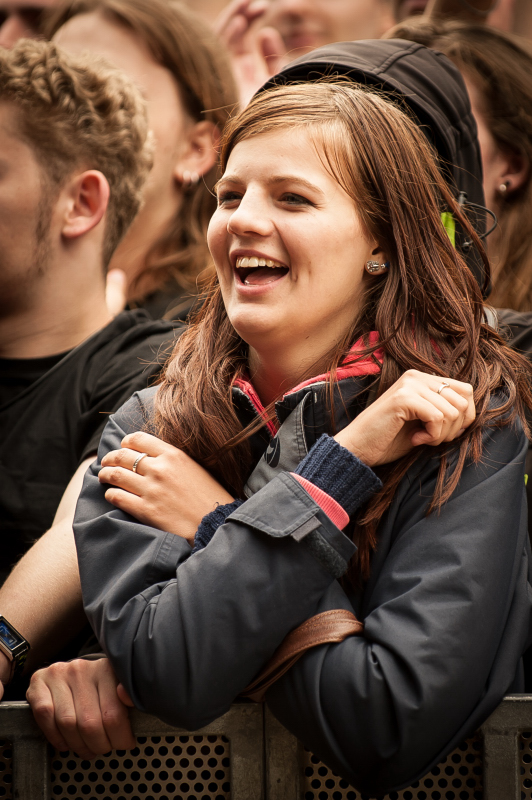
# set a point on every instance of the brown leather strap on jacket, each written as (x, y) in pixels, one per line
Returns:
(325, 628)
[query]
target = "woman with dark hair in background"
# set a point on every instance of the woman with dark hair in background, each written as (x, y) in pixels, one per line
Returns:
(332, 261)
(497, 70)
(186, 79)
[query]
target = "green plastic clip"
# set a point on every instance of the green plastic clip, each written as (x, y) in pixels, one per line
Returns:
(449, 225)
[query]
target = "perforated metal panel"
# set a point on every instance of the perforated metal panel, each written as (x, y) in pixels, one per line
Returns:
(525, 765)
(223, 761)
(235, 743)
(6, 770)
(198, 768)
(458, 777)
(160, 767)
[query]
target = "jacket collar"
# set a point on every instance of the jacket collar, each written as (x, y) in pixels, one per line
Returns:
(354, 367)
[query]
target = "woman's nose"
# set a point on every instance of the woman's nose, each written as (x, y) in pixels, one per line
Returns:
(251, 217)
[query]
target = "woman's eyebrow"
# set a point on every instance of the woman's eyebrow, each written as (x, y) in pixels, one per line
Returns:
(295, 179)
(275, 179)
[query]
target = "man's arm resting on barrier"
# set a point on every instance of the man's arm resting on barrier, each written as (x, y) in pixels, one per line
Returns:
(41, 597)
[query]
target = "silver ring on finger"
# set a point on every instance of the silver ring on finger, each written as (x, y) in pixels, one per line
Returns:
(442, 387)
(137, 461)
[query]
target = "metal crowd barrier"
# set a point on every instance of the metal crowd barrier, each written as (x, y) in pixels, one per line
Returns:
(248, 755)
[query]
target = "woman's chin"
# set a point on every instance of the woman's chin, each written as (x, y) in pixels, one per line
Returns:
(256, 328)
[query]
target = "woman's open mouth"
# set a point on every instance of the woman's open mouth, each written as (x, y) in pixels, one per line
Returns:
(254, 271)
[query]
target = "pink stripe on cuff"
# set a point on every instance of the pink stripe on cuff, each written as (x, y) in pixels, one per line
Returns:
(334, 510)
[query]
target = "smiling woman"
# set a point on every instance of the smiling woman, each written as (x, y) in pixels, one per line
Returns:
(337, 390)
(279, 217)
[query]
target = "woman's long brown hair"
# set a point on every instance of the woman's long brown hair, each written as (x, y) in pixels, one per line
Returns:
(428, 309)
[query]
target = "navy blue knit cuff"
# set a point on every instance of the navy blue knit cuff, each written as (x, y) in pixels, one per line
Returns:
(211, 522)
(335, 470)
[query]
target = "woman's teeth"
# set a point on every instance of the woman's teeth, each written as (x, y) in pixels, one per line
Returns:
(256, 271)
(253, 261)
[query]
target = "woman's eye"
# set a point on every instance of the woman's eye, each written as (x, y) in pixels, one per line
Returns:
(225, 198)
(292, 199)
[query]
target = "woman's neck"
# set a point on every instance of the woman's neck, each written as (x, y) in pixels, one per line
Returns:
(274, 374)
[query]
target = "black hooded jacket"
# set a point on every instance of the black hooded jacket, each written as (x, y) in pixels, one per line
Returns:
(426, 85)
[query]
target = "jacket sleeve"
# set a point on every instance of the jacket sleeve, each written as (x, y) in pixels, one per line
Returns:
(202, 624)
(447, 617)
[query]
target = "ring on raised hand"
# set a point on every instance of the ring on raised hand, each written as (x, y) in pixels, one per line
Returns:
(138, 460)
(442, 387)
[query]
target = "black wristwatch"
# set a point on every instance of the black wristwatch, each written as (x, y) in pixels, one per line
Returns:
(14, 646)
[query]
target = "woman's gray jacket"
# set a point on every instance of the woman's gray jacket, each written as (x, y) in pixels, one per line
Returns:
(446, 609)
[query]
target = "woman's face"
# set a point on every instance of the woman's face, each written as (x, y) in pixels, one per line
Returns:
(280, 210)
(494, 161)
(168, 121)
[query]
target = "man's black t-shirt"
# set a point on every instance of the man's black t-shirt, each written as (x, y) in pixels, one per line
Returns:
(52, 414)
(16, 374)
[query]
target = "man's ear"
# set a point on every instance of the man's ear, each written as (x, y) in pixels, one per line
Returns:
(199, 153)
(86, 197)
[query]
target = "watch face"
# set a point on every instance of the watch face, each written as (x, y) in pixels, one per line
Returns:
(7, 636)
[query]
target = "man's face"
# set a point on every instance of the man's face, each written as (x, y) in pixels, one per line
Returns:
(21, 19)
(25, 216)
(306, 24)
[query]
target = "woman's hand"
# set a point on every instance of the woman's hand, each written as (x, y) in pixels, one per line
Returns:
(80, 706)
(256, 53)
(418, 409)
(167, 490)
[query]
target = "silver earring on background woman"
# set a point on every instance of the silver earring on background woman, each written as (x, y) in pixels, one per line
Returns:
(190, 178)
(503, 188)
(374, 267)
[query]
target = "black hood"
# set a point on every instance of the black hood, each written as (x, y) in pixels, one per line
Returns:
(430, 86)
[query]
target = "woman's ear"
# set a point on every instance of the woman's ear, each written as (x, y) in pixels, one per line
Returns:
(378, 263)
(377, 254)
(86, 197)
(515, 173)
(199, 153)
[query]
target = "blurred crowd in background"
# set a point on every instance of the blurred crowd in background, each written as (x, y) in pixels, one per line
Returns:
(194, 64)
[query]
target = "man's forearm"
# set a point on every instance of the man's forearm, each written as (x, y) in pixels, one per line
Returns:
(42, 595)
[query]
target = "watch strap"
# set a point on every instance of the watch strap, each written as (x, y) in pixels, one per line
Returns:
(15, 650)
(17, 665)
